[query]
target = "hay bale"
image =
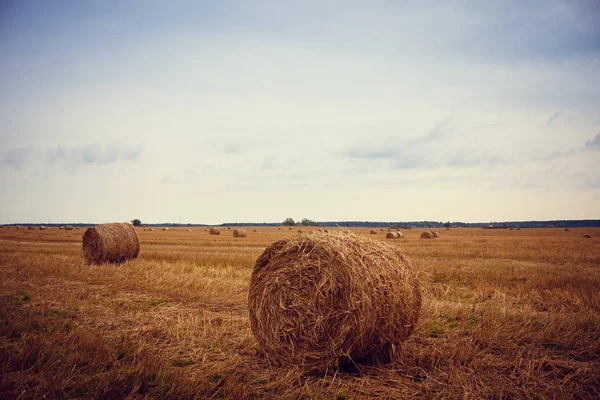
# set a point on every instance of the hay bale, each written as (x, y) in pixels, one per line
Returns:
(165, 229)
(566, 229)
(327, 300)
(114, 243)
(290, 229)
(68, 227)
(435, 234)
(392, 235)
(518, 229)
(326, 231)
(188, 230)
(239, 233)
(31, 228)
(587, 236)
(300, 231)
(254, 230)
(427, 235)
(449, 228)
(150, 229)
(381, 230)
(214, 231)
(373, 232)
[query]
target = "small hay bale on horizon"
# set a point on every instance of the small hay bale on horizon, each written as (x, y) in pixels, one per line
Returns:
(566, 229)
(323, 301)
(392, 235)
(214, 231)
(113, 243)
(239, 233)
(587, 236)
(31, 228)
(165, 229)
(68, 227)
(373, 232)
(426, 235)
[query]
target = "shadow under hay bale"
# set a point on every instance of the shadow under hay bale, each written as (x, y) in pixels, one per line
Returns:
(239, 233)
(113, 243)
(320, 301)
(214, 231)
(426, 235)
(587, 236)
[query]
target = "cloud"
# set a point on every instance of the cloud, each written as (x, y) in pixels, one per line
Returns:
(93, 154)
(553, 117)
(593, 144)
(439, 131)
(14, 158)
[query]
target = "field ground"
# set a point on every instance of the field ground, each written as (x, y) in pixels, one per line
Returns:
(506, 314)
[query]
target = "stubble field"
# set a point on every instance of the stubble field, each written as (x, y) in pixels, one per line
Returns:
(506, 314)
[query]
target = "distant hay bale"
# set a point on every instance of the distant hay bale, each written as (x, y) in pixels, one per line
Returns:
(435, 234)
(228, 228)
(326, 231)
(426, 235)
(322, 301)
(373, 232)
(165, 229)
(300, 231)
(566, 229)
(114, 243)
(239, 233)
(150, 229)
(394, 235)
(290, 229)
(68, 227)
(31, 228)
(381, 230)
(587, 236)
(449, 228)
(214, 231)
(43, 228)
(254, 230)
(518, 229)
(188, 230)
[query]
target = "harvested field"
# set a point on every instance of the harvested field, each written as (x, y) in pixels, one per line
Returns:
(505, 314)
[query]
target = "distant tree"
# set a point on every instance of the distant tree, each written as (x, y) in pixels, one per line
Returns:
(136, 222)
(308, 222)
(289, 221)
(447, 224)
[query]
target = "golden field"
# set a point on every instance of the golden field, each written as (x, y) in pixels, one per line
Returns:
(506, 314)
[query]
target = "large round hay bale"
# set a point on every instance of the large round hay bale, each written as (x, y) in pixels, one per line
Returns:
(110, 243)
(426, 235)
(392, 235)
(587, 236)
(214, 231)
(239, 233)
(435, 234)
(373, 232)
(326, 300)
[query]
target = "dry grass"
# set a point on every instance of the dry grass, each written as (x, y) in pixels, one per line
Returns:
(506, 314)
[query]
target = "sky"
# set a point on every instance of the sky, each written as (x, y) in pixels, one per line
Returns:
(252, 111)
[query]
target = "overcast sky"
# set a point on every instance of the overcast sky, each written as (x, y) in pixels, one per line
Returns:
(215, 111)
